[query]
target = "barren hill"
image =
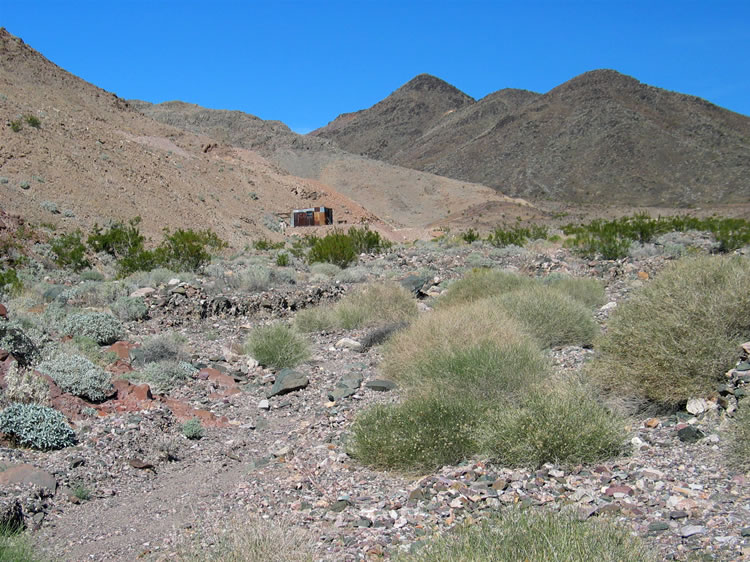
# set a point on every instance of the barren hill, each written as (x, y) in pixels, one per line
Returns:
(91, 157)
(601, 137)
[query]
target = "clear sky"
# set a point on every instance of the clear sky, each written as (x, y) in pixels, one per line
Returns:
(304, 62)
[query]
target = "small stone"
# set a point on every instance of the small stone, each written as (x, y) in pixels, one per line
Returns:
(380, 385)
(746, 347)
(609, 306)
(340, 505)
(690, 530)
(264, 404)
(3, 311)
(287, 380)
(745, 532)
(652, 423)
(643, 275)
(348, 343)
(743, 366)
(690, 434)
(696, 406)
(678, 514)
(657, 526)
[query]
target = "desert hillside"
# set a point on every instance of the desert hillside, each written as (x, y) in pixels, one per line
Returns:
(601, 137)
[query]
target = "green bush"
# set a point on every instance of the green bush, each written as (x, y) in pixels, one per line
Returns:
(32, 120)
(263, 245)
(676, 337)
(489, 373)
(16, 125)
(163, 376)
(161, 348)
(535, 534)
(470, 236)
(562, 425)
(192, 429)
(101, 327)
(516, 236)
(119, 240)
(40, 427)
(282, 260)
(15, 546)
(368, 241)
(78, 376)
(373, 304)
(336, 248)
(550, 316)
(588, 291)
(10, 284)
(70, 251)
(315, 319)
(420, 434)
(187, 250)
(130, 309)
(277, 346)
(480, 284)
(91, 350)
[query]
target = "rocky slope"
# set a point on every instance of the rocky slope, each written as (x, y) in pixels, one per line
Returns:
(601, 137)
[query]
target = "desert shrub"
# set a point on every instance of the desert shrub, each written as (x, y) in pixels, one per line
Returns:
(187, 250)
(676, 337)
(480, 284)
(50, 207)
(352, 275)
(91, 275)
(470, 236)
(447, 330)
(77, 375)
(562, 425)
(90, 350)
(516, 236)
(164, 376)
(154, 278)
(118, 240)
(739, 438)
(367, 241)
(32, 120)
(315, 319)
(130, 309)
(10, 284)
(336, 248)
(277, 346)
(33, 425)
(161, 348)
(588, 291)
(252, 278)
(192, 429)
(24, 386)
(550, 316)
(282, 259)
(375, 303)
(15, 546)
(16, 125)
(263, 245)
(490, 373)
(101, 327)
(531, 534)
(475, 260)
(327, 270)
(80, 491)
(420, 434)
(70, 251)
(252, 539)
(94, 293)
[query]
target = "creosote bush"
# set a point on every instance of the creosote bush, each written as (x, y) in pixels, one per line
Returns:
(192, 429)
(676, 337)
(130, 309)
(420, 434)
(535, 534)
(77, 375)
(33, 425)
(342, 249)
(277, 346)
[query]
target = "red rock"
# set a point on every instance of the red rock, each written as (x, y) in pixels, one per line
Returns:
(184, 412)
(612, 490)
(3, 311)
(652, 422)
(122, 349)
(216, 376)
(119, 367)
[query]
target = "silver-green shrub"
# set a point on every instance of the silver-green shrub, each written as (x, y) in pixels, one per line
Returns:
(163, 376)
(101, 327)
(40, 427)
(78, 376)
(130, 309)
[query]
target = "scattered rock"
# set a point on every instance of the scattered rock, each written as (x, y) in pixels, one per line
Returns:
(380, 385)
(29, 474)
(348, 343)
(287, 380)
(690, 434)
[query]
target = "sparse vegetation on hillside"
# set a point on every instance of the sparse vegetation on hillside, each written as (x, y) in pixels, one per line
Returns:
(342, 249)
(675, 338)
(277, 346)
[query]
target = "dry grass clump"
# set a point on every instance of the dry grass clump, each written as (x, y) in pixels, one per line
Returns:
(739, 438)
(447, 331)
(549, 315)
(676, 337)
(277, 346)
(253, 539)
(562, 425)
(519, 534)
(588, 291)
(480, 284)
(372, 304)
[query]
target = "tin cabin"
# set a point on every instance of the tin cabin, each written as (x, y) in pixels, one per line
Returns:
(315, 216)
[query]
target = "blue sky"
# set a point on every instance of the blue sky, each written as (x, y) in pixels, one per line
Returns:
(304, 62)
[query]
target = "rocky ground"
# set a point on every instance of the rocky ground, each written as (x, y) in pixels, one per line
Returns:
(275, 444)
